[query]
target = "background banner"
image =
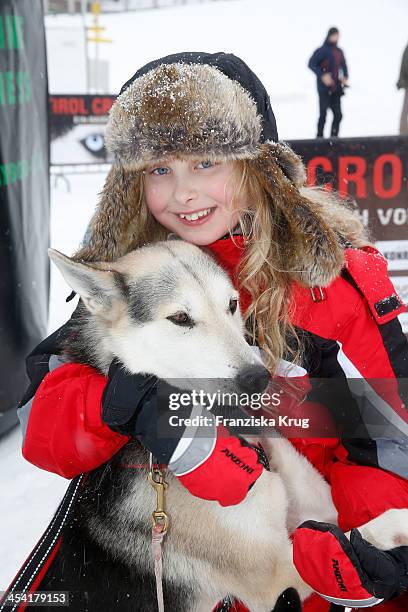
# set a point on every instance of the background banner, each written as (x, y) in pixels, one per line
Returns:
(24, 195)
(77, 126)
(374, 172)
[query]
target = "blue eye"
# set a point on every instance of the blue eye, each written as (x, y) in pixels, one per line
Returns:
(158, 171)
(95, 144)
(205, 164)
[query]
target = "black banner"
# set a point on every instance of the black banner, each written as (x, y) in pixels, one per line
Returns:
(374, 171)
(24, 195)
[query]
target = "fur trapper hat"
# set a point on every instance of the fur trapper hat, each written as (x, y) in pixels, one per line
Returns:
(197, 104)
(210, 106)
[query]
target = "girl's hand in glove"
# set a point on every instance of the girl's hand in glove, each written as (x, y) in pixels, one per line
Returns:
(351, 572)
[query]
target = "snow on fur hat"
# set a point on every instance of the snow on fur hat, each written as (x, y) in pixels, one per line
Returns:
(201, 104)
(210, 106)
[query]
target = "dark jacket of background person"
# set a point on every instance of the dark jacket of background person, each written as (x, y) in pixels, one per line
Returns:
(403, 84)
(329, 58)
(403, 77)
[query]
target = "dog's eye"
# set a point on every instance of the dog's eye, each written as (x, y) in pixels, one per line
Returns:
(181, 318)
(233, 305)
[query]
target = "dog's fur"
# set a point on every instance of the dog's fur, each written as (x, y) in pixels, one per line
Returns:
(210, 551)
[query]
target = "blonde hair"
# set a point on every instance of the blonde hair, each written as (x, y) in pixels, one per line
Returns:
(279, 223)
(264, 271)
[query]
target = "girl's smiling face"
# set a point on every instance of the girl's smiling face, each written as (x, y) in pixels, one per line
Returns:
(193, 198)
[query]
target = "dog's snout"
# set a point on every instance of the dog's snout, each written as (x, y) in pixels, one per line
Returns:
(254, 378)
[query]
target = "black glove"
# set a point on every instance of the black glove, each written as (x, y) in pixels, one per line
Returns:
(130, 407)
(386, 569)
(211, 463)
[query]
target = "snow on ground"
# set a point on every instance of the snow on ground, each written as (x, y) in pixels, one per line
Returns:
(29, 498)
(276, 40)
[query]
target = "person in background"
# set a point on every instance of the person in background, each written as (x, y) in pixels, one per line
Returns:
(403, 84)
(329, 65)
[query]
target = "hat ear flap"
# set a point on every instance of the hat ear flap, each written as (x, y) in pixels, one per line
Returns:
(111, 232)
(310, 250)
(289, 162)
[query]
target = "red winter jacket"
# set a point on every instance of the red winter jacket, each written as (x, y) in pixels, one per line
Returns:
(353, 335)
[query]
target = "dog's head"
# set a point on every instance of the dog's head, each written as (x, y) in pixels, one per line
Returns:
(165, 309)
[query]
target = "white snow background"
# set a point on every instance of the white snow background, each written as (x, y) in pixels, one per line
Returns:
(276, 39)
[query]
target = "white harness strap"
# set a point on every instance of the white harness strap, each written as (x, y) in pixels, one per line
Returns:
(160, 526)
(158, 533)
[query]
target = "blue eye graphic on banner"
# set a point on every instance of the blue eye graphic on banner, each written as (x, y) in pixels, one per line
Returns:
(77, 128)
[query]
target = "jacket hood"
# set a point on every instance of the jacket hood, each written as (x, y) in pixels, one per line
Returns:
(330, 32)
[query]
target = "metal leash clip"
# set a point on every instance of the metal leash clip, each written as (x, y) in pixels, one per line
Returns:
(156, 479)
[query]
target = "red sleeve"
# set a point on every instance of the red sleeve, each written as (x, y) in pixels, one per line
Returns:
(65, 433)
(319, 451)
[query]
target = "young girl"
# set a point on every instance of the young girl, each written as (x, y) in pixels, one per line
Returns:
(196, 154)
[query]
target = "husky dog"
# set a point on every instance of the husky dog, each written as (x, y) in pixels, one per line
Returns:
(210, 551)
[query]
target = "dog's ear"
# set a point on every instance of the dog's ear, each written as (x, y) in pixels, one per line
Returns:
(97, 287)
